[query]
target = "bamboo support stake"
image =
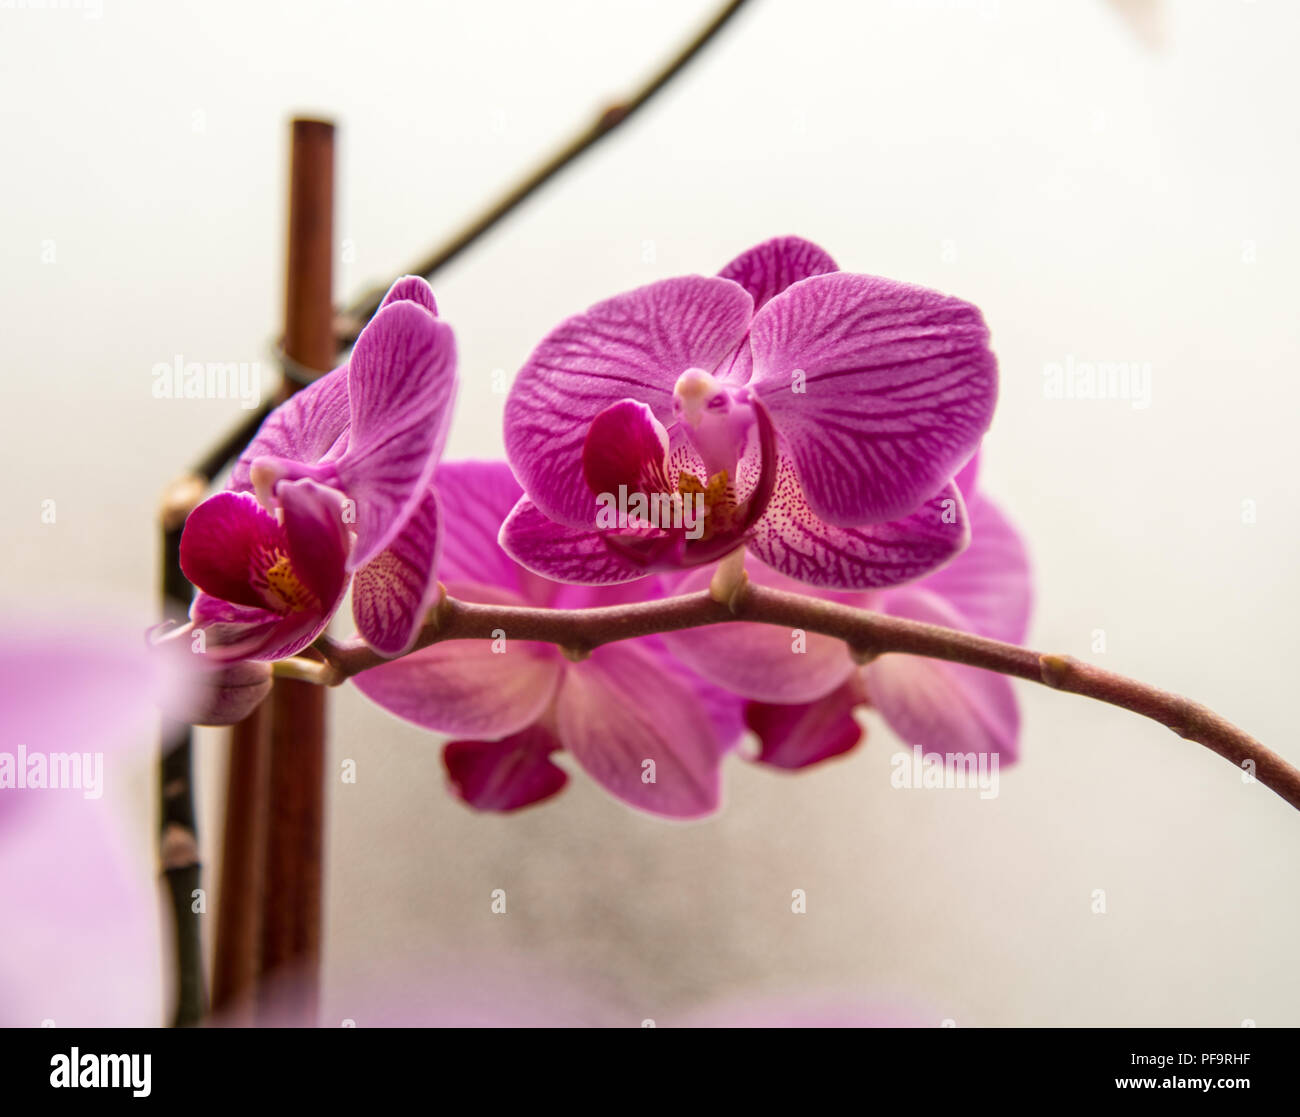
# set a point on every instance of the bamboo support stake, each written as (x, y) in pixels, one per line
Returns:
(291, 909)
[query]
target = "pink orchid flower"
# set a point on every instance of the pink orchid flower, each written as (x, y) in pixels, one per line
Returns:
(808, 414)
(641, 725)
(804, 691)
(341, 473)
(79, 925)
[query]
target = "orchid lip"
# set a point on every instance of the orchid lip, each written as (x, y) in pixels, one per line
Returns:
(674, 550)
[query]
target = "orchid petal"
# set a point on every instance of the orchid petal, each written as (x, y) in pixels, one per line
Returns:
(626, 446)
(394, 591)
(236, 632)
(792, 538)
(232, 632)
(989, 583)
(634, 345)
(310, 425)
(943, 707)
(795, 737)
(967, 479)
(474, 688)
(620, 709)
(412, 288)
(769, 268)
(561, 553)
(476, 497)
(401, 382)
(508, 774)
(221, 541)
(316, 539)
(760, 661)
(881, 390)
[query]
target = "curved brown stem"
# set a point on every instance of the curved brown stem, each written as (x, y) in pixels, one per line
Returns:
(867, 634)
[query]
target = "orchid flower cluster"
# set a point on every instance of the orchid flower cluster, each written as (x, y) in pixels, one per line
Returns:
(783, 422)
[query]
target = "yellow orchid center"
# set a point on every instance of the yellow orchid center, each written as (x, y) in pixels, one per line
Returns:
(280, 585)
(721, 512)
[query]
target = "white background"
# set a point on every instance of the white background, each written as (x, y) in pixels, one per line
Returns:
(1098, 196)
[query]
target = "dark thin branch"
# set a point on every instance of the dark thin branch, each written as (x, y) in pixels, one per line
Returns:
(178, 832)
(867, 634)
(350, 322)
(230, 447)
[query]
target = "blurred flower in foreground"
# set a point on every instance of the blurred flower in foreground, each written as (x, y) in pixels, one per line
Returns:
(341, 475)
(812, 415)
(805, 689)
(639, 724)
(78, 921)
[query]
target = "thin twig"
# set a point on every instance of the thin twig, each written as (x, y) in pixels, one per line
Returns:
(867, 634)
(295, 795)
(365, 308)
(178, 845)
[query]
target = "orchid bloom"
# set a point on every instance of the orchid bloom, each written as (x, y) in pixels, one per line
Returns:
(813, 416)
(804, 690)
(341, 476)
(642, 726)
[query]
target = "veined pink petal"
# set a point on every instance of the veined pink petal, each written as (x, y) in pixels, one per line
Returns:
(305, 428)
(401, 383)
(943, 707)
(222, 538)
(760, 661)
(469, 688)
(508, 774)
(798, 736)
(411, 288)
(233, 632)
(989, 583)
(769, 268)
(792, 538)
(392, 593)
(634, 346)
(639, 731)
(967, 479)
(561, 553)
(880, 389)
(476, 497)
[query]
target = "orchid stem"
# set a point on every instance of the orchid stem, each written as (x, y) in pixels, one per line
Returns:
(307, 671)
(866, 633)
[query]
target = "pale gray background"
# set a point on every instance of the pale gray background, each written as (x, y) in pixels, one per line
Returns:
(1095, 196)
